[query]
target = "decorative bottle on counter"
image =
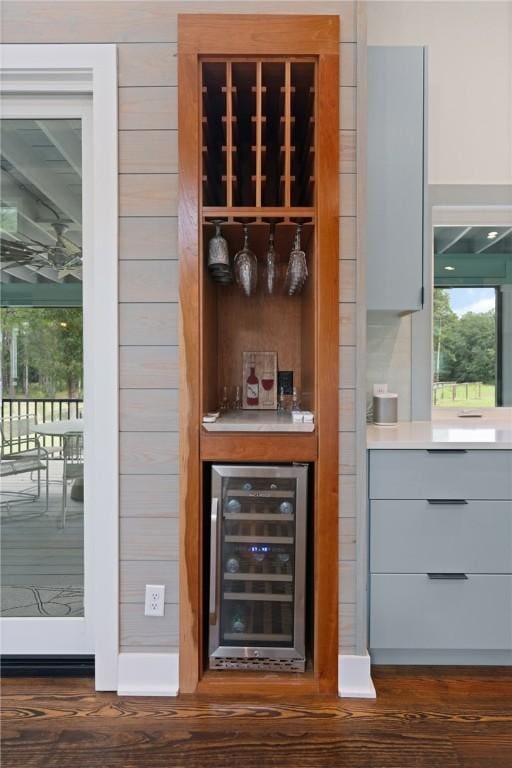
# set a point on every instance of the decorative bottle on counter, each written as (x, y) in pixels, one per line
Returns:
(253, 388)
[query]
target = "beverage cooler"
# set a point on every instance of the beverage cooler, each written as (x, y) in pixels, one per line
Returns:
(257, 567)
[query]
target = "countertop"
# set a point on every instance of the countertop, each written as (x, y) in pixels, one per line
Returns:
(257, 421)
(490, 432)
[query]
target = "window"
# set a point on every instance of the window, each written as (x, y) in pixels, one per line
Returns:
(472, 318)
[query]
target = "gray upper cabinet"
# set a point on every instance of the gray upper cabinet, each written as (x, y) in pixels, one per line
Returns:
(396, 177)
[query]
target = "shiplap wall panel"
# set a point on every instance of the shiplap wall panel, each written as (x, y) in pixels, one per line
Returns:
(149, 281)
(138, 632)
(148, 108)
(151, 151)
(149, 538)
(347, 576)
(148, 237)
(149, 495)
(148, 194)
(347, 496)
(347, 151)
(148, 453)
(148, 324)
(347, 325)
(147, 64)
(348, 108)
(348, 190)
(347, 539)
(148, 410)
(347, 628)
(131, 21)
(149, 367)
(348, 72)
(347, 403)
(348, 274)
(147, 36)
(347, 375)
(348, 238)
(347, 453)
(135, 574)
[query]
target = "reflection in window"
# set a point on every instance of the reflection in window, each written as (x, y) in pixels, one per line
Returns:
(472, 318)
(42, 483)
(465, 347)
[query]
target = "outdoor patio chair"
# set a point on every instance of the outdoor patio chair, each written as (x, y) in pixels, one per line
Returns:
(22, 453)
(72, 449)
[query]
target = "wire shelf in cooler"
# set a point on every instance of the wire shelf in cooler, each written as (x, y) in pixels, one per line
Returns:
(271, 517)
(259, 539)
(265, 637)
(261, 494)
(265, 597)
(258, 577)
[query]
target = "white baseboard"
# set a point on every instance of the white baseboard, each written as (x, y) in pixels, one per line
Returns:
(148, 674)
(354, 677)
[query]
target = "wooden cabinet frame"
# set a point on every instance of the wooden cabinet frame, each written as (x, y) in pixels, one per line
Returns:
(242, 35)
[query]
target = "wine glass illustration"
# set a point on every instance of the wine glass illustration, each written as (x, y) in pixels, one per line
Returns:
(267, 382)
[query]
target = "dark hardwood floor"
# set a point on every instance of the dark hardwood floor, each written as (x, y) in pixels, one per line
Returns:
(423, 717)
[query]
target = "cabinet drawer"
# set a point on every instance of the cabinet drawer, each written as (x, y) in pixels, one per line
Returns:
(440, 474)
(411, 536)
(414, 612)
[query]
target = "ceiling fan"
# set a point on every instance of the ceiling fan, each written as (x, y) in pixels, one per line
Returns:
(31, 253)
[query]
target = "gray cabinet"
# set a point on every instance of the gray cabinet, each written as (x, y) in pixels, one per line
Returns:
(449, 474)
(420, 612)
(421, 535)
(440, 556)
(396, 180)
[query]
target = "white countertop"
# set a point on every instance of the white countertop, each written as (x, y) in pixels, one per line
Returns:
(257, 421)
(487, 432)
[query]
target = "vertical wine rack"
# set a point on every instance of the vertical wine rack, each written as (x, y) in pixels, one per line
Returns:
(258, 144)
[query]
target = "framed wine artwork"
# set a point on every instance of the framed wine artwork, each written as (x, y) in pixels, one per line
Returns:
(259, 377)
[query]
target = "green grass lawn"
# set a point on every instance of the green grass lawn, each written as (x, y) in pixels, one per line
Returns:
(478, 396)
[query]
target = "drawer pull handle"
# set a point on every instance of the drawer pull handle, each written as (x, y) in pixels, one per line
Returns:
(447, 576)
(446, 450)
(447, 501)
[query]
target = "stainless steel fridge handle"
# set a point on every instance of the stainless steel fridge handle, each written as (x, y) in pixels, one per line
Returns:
(213, 559)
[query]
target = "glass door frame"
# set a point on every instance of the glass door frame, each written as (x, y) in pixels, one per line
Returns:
(286, 472)
(80, 81)
(60, 635)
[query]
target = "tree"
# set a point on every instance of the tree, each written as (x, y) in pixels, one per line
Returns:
(464, 347)
(444, 325)
(49, 348)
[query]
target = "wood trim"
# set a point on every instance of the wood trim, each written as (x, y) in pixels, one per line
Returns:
(190, 498)
(252, 684)
(262, 34)
(327, 350)
(245, 446)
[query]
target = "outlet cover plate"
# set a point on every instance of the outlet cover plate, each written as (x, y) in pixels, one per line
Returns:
(155, 600)
(379, 389)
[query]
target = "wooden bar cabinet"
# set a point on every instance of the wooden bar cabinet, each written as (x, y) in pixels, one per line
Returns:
(258, 150)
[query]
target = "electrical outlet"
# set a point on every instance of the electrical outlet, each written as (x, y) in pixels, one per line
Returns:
(155, 595)
(380, 389)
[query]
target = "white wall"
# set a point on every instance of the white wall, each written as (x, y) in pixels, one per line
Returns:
(470, 82)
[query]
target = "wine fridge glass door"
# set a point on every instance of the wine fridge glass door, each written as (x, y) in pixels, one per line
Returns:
(258, 555)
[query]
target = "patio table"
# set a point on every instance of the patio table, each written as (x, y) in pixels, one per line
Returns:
(61, 429)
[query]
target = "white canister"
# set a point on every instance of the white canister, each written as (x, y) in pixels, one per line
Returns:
(385, 409)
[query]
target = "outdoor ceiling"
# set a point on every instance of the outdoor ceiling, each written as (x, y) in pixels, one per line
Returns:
(472, 240)
(41, 189)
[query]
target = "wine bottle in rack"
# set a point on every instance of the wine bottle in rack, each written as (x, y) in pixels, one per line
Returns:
(253, 388)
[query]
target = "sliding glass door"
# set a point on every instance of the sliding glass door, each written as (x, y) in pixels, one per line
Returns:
(45, 551)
